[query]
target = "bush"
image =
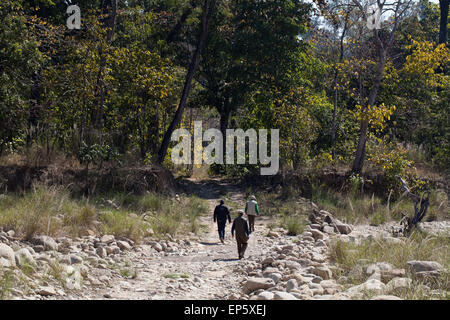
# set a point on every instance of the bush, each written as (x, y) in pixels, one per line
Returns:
(293, 224)
(121, 223)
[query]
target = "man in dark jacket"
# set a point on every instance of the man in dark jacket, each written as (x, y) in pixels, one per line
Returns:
(221, 215)
(240, 225)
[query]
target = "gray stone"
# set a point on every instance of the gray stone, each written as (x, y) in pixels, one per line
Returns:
(398, 284)
(7, 256)
(342, 227)
(47, 242)
(386, 297)
(101, 251)
(157, 247)
(317, 234)
(387, 276)
(273, 234)
(268, 261)
(323, 272)
(47, 291)
(419, 266)
(253, 284)
(371, 286)
(267, 271)
(328, 229)
(112, 249)
(280, 295)
(74, 259)
(291, 285)
(123, 245)
(292, 265)
(265, 295)
(275, 276)
(23, 257)
(107, 238)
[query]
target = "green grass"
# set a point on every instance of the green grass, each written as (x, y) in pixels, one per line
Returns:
(6, 283)
(176, 275)
(293, 224)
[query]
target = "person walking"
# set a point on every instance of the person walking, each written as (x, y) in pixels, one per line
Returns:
(221, 215)
(251, 209)
(242, 233)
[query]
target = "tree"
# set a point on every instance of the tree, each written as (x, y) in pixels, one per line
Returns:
(443, 26)
(208, 9)
(383, 41)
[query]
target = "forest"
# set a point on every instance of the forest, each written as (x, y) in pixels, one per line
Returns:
(342, 94)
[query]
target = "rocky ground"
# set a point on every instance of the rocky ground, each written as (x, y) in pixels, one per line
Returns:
(196, 267)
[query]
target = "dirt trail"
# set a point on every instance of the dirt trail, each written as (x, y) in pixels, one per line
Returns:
(204, 271)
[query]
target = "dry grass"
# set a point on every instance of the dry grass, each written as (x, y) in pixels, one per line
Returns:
(53, 211)
(357, 208)
(419, 246)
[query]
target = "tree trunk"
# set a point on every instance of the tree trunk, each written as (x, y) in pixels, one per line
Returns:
(358, 163)
(443, 29)
(184, 16)
(341, 57)
(35, 106)
(98, 114)
(224, 121)
(206, 16)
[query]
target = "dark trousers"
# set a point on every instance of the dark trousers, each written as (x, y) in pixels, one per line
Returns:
(251, 222)
(221, 228)
(241, 246)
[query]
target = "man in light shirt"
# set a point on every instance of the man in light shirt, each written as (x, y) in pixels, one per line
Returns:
(251, 209)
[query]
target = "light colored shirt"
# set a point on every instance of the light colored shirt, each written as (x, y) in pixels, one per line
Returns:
(251, 208)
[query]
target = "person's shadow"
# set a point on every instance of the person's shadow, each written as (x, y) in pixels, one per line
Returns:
(225, 260)
(209, 243)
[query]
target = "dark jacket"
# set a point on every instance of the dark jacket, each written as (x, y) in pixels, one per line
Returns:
(222, 213)
(240, 225)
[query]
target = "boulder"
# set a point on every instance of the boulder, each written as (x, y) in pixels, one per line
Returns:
(323, 272)
(101, 251)
(275, 276)
(24, 257)
(73, 279)
(371, 286)
(74, 259)
(386, 297)
(46, 291)
(292, 265)
(265, 295)
(291, 285)
(7, 258)
(158, 247)
(317, 234)
(328, 229)
(342, 227)
(270, 270)
(419, 266)
(268, 261)
(253, 284)
(47, 242)
(112, 249)
(398, 284)
(280, 295)
(123, 245)
(387, 276)
(107, 238)
(273, 234)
